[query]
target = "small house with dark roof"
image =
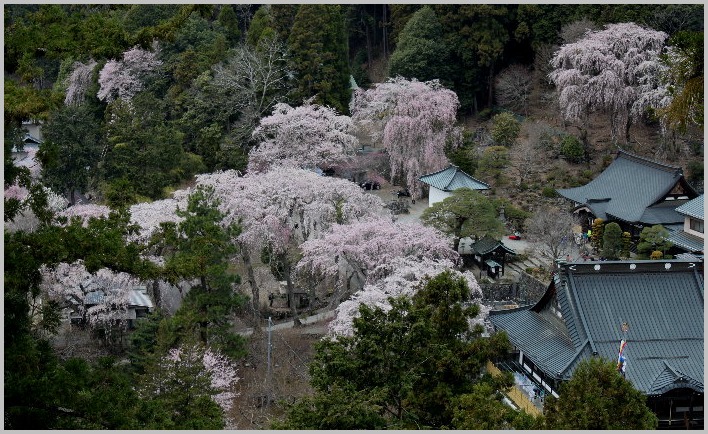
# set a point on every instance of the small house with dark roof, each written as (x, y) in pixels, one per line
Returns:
(690, 237)
(487, 253)
(443, 182)
(634, 192)
(581, 316)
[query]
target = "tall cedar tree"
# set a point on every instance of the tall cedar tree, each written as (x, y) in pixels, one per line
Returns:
(319, 55)
(421, 52)
(71, 149)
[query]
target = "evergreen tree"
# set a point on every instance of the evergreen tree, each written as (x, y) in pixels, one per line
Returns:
(319, 56)
(261, 27)
(652, 239)
(200, 248)
(421, 52)
(229, 21)
(71, 149)
(612, 241)
(597, 397)
(405, 366)
(465, 213)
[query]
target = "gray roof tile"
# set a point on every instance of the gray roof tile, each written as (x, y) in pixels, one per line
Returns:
(626, 188)
(663, 307)
(451, 179)
(692, 208)
(687, 241)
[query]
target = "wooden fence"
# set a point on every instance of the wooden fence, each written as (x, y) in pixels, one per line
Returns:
(515, 394)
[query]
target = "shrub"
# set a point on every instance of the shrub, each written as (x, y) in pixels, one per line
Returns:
(656, 255)
(572, 150)
(549, 192)
(505, 129)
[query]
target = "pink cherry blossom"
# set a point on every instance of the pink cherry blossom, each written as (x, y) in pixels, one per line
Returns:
(405, 279)
(363, 252)
(415, 122)
(615, 70)
(217, 369)
(78, 82)
(125, 78)
(308, 136)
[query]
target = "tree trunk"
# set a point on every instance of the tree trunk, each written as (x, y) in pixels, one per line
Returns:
(291, 292)
(626, 130)
(255, 291)
(490, 101)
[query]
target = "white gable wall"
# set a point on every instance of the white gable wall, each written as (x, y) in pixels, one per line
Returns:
(437, 195)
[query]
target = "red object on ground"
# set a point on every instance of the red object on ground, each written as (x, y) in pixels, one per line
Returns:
(514, 237)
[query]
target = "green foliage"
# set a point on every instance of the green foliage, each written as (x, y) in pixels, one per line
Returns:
(549, 192)
(71, 149)
(572, 149)
(598, 226)
(342, 407)
(319, 56)
(483, 408)
(686, 72)
(652, 239)
(465, 213)
(144, 148)
(200, 248)
(421, 51)
(505, 129)
(407, 364)
(261, 26)
(612, 241)
(626, 244)
(493, 163)
(465, 156)
(229, 21)
(514, 215)
(597, 397)
(40, 392)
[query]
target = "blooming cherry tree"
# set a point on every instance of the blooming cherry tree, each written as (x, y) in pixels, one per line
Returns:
(125, 78)
(414, 120)
(85, 211)
(78, 82)
(284, 207)
(305, 137)
(406, 277)
(616, 70)
(72, 282)
(362, 252)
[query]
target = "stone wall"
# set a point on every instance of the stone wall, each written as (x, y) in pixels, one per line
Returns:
(527, 290)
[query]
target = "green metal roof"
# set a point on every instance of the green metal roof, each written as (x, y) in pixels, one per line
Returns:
(451, 179)
(662, 301)
(693, 208)
(628, 188)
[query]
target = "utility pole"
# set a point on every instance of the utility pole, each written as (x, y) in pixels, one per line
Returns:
(268, 373)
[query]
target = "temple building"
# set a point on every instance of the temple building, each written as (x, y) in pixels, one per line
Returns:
(589, 307)
(634, 192)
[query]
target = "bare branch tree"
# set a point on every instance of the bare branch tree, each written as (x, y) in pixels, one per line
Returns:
(553, 230)
(572, 32)
(513, 87)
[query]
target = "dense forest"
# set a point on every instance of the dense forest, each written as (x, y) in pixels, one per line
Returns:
(165, 121)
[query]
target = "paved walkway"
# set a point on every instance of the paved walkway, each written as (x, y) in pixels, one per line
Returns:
(306, 321)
